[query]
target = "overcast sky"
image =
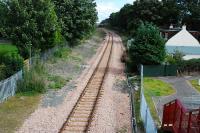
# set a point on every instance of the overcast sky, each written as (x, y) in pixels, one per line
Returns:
(106, 7)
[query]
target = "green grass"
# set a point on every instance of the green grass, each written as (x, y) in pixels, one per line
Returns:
(195, 84)
(15, 110)
(7, 48)
(155, 87)
(57, 82)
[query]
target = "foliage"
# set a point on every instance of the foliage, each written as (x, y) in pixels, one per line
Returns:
(62, 53)
(148, 46)
(31, 22)
(45, 23)
(76, 17)
(162, 13)
(189, 65)
(175, 58)
(57, 82)
(2, 72)
(13, 63)
(33, 80)
(7, 48)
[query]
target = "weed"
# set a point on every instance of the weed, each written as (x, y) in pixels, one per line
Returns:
(57, 82)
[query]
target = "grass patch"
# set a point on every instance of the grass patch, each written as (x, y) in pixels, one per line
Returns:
(57, 82)
(155, 87)
(195, 84)
(62, 53)
(14, 111)
(7, 48)
(136, 99)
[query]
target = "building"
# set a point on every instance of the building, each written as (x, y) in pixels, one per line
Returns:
(185, 43)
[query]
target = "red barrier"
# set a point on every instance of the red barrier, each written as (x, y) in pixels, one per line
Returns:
(177, 119)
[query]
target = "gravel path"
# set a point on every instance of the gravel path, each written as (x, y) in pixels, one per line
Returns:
(184, 92)
(113, 110)
(50, 116)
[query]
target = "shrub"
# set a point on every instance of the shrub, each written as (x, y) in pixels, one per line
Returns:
(148, 47)
(13, 63)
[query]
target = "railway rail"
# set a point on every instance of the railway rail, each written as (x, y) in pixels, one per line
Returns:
(80, 117)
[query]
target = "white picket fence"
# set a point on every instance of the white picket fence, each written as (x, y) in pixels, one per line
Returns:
(8, 86)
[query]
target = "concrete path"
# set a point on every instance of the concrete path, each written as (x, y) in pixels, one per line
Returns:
(184, 92)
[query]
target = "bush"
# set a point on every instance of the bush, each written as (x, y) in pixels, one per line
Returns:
(33, 80)
(148, 47)
(13, 63)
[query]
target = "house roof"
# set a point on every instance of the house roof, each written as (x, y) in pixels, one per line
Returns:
(183, 38)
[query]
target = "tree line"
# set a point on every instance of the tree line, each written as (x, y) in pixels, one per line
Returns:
(43, 24)
(161, 13)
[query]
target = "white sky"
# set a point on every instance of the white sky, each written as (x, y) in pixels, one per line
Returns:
(106, 7)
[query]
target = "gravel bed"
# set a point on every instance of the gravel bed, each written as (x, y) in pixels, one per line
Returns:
(113, 110)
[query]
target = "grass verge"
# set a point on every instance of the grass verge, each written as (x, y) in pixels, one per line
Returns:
(153, 88)
(195, 84)
(14, 111)
(7, 48)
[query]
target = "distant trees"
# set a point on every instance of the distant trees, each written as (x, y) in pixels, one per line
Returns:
(148, 47)
(162, 13)
(45, 23)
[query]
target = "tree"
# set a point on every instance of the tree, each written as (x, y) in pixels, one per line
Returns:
(170, 13)
(148, 47)
(77, 18)
(31, 22)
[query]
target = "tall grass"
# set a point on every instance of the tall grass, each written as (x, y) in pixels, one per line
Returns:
(33, 81)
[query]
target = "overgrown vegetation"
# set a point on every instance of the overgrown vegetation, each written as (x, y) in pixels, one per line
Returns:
(57, 82)
(184, 66)
(155, 88)
(33, 80)
(10, 60)
(136, 96)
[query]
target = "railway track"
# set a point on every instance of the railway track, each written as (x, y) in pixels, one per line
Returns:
(80, 117)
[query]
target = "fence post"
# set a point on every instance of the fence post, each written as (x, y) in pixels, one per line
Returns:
(189, 121)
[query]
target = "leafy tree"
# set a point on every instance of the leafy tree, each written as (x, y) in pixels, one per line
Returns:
(31, 22)
(147, 10)
(148, 46)
(77, 18)
(170, 13)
